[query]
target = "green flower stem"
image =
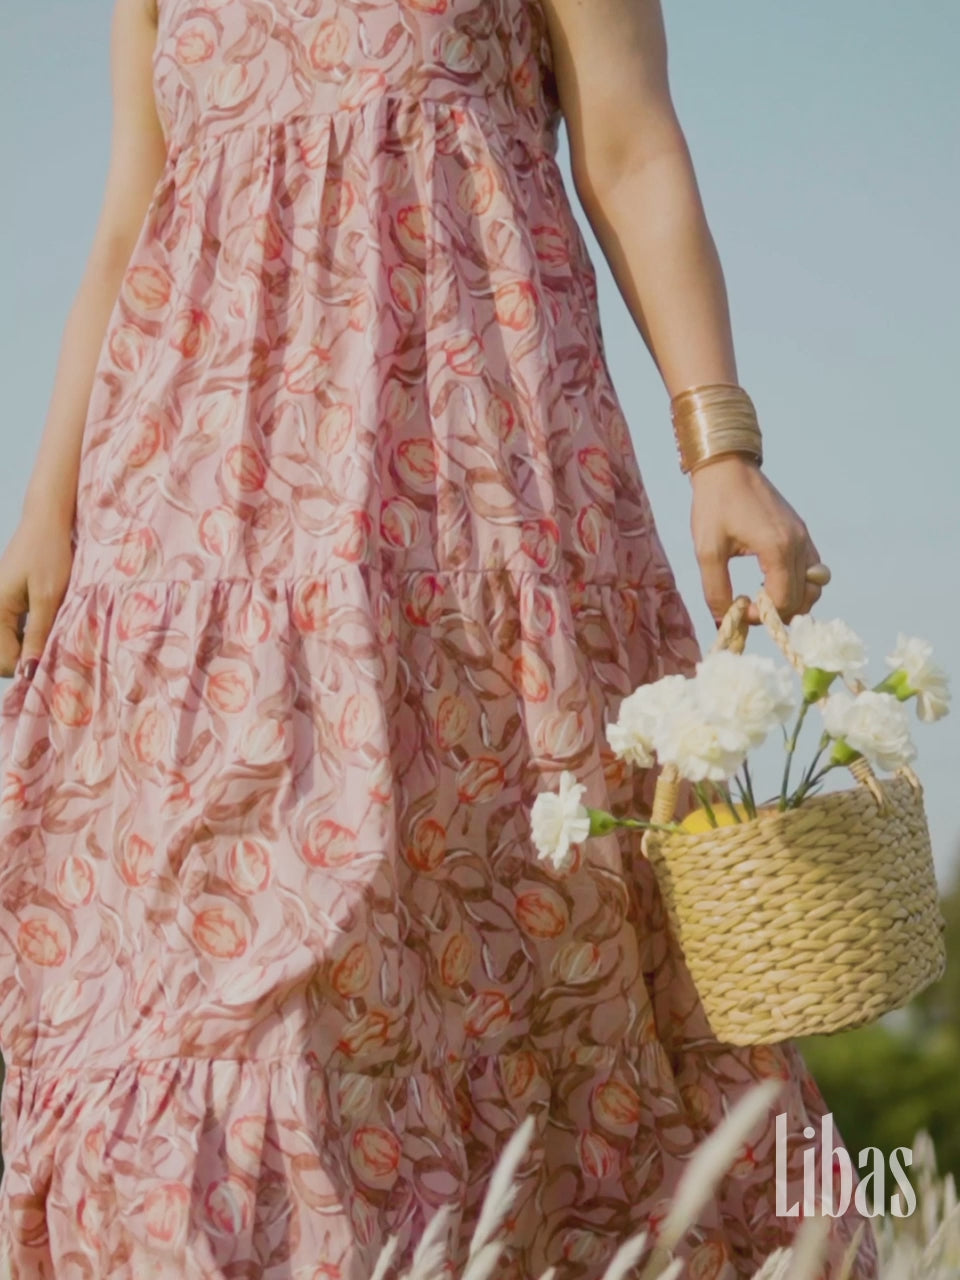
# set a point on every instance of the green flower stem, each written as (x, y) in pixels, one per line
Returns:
(724, 792)
(834, 764)
(741, 787)
(809, 783)
(601, 822)
(791, 749)
(733, 808)
(749, 800)
(705, 803)
(822, 746)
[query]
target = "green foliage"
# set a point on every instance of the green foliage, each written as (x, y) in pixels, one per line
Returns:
(883, 1086)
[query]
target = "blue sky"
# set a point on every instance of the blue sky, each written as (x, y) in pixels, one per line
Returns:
(825, 139)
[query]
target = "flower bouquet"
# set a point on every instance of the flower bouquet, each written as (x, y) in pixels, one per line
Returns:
(812, 911)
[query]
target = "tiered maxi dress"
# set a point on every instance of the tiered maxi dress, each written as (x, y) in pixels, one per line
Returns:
(363, 559)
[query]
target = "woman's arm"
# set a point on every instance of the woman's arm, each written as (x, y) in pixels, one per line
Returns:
(35, 565)
(634, 176)
(136, 159)
(635, 179)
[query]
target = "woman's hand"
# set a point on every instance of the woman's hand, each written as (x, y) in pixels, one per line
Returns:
(34, 572)
(738, 512)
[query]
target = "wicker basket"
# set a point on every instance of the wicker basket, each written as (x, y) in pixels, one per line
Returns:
(809, 921)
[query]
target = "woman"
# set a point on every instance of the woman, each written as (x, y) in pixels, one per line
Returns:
(349, 557)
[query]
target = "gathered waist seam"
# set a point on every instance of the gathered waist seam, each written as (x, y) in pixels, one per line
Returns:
(203, 131)
(563, 1053)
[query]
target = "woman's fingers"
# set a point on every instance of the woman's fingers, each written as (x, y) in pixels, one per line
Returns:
(784, 564)
(784, 561)
(779, 563)
(35, 570)
(715, 578)
(812, 591)
(9, 638)
(737, 511)
(44, 604)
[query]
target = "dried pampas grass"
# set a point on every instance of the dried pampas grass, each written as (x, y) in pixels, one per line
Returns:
(925, 1246)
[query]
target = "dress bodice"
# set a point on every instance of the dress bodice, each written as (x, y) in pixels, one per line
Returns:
(224, 64)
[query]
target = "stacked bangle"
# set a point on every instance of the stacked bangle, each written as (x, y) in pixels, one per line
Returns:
(712, 419)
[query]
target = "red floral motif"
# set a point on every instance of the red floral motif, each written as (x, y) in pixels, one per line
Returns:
(76, 881)
(145, 441)
(411, 231)
(128, 348)
(166, 1211)
(311, 604)
(192, 332)
(542, 913)
(417, 463)
(149, 739)
(423, 601)
(221, 931)
(229, 690)
(43, 940)
(354, 536)
(227, 1208)
(329, 45)
(375, 1155)
(709, 1261)
(351, 976)
(517, 305)
(329, 844)
(541, 542)
(616, 1106)
(480, 779)
(146, 289)
(248, 867)
(597, 1157)
(487, 1013)
(455, 960)
(520, 1073)
(368, 1033)
(464, 355)
(532, 677)
(71, 701)
(400, 523)
(335, 428)
(427, 846)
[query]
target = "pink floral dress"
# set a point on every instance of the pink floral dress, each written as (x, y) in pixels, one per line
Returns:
(363, 560)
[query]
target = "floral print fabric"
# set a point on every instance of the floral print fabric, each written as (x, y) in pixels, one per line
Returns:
(363, 560)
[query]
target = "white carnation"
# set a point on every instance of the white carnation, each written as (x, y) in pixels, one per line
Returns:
(924, 677)
(875, 724)
(699, 748)
(559, 820)
(829, 646)
(745, 692)
(641, 713)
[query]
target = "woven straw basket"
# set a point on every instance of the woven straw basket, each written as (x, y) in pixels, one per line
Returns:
(817, 919)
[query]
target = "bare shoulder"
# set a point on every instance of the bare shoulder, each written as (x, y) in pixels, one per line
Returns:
(610, 61)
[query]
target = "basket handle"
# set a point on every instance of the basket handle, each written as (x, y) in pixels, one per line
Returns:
(732, 635)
